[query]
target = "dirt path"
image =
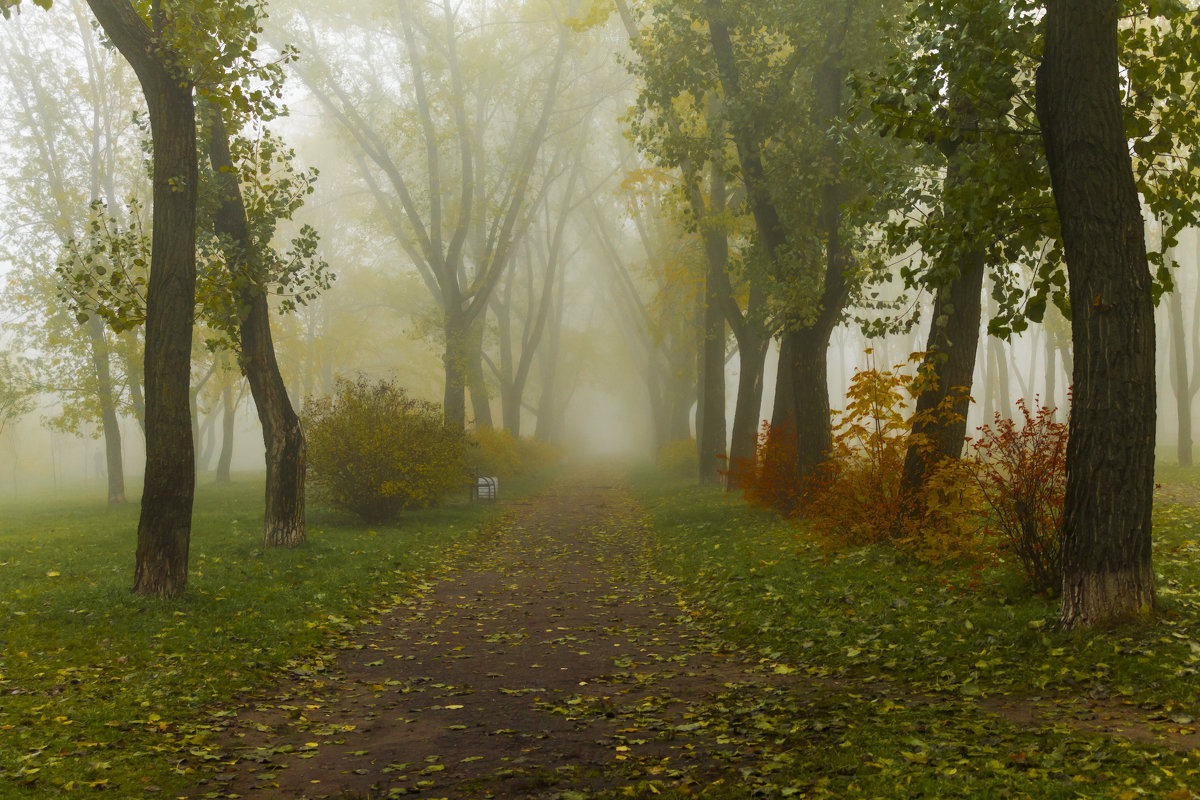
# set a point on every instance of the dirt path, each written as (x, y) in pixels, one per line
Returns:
(549, 664)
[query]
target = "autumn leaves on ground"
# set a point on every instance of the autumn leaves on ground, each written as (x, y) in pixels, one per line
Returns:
(549, 661)
(604, 636)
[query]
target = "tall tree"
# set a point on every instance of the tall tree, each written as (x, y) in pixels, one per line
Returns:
(521, 327)
(248, 259)
(1110, 453)
(458, 214)
(67, 164)
(165, 523)
(802, 396)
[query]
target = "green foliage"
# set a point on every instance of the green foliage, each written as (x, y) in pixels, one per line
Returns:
(1023, 476)
(375, 451)
(272, 190)
(105, 271)
(961, 92)
(17, 389)
(683, 120)
(679, 458)
(496, 452)
(111, 694)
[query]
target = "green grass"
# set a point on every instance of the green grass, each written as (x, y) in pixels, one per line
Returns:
(104, 690)
(940, 640)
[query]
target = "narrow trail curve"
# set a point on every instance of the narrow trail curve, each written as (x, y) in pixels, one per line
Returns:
(552, 663)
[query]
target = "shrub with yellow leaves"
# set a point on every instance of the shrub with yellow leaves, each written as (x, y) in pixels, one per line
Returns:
(375, 451)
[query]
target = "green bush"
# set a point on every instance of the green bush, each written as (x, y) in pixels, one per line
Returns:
(375, 451)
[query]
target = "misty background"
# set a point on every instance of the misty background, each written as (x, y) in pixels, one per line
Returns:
(590, 333)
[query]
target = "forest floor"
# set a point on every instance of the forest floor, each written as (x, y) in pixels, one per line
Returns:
(553, 662)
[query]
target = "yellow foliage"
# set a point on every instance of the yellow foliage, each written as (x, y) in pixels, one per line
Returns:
(495, 451)
(857, 498)
(374, 451)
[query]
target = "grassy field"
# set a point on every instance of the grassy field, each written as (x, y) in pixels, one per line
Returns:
(102, 690)
(943, 680)
(901, 669)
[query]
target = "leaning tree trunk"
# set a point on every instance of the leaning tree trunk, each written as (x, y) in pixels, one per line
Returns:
(1107, 571)
(283, 440)
(109, 424)
(165, 523)
(284, 522)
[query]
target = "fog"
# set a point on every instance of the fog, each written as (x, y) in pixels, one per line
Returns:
(490, 194)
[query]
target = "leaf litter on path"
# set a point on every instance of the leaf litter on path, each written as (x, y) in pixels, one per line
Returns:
(550, 663)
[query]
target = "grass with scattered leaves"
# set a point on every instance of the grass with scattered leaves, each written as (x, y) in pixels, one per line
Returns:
(917, 663)
(104, 690)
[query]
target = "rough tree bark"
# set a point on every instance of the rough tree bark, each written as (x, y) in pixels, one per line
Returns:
(165, 524)
(1107, 572)
(950, 354)
(284, 521)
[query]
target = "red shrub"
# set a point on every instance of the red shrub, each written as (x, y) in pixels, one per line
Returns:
(774, 480)
(1023, 476)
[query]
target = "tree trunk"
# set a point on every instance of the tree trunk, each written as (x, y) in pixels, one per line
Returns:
(1050, 356)
(1181, 379)
(710, 384)
(481, 401)
(743, 446)
(228, 418)
(455, 361)
(109, 424)
(1107, 570)
(810, 390)
(165, 523)
(998, 361)
(939, 431)
(782, 403)
(135, 375)
(549, 409)
(284, 521)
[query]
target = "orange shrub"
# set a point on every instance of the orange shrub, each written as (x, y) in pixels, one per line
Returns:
(857, 498)
(773, 482)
